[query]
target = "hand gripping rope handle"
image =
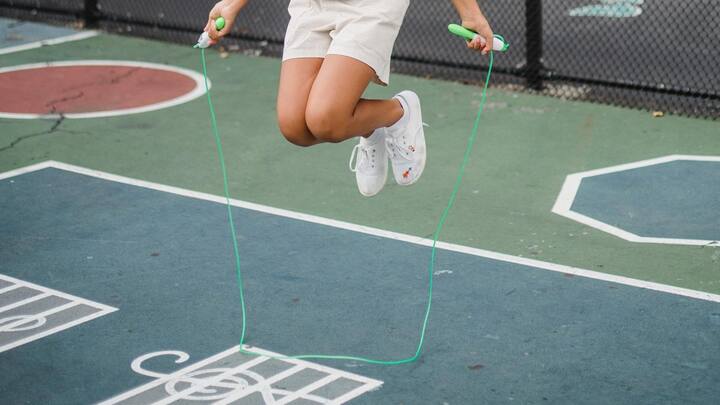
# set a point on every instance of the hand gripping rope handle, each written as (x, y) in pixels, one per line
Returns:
(220, 23)
(204, 40)
(499, 43)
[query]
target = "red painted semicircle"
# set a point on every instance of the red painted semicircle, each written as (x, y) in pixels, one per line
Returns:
(88, 88)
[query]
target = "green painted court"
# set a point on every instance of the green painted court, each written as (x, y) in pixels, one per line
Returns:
(580, 263)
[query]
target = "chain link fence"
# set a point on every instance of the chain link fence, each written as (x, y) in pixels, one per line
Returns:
(650, 54)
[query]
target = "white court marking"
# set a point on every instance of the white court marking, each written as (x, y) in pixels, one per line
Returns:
(197, 91)
(28, 322)
(609, 8)
(228, 376)
(564, 202)
(47, 42)
(702, 295)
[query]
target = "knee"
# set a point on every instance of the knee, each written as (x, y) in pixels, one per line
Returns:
(295, 130)
(325, 124)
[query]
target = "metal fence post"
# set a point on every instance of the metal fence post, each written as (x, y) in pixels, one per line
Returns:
(533, 44)
(91, 14)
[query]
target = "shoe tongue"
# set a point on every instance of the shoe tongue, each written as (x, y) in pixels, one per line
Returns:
(402, 122)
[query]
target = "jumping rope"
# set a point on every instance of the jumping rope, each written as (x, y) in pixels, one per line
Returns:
(499, 44)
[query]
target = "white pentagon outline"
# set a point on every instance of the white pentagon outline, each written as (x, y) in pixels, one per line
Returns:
(196, 92)
(571, 185)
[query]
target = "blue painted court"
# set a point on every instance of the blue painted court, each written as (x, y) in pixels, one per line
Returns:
(499, 331)
(16, 34)
(678, 199)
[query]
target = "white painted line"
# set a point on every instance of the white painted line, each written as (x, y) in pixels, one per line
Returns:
(353, 394)
(52, 331)
(9, 288)
(568, 192)
(9, 327)
(23, 302)
(197, 91)
(307, 389)
(307, 397)
(383, 233)
(27, 169)
(264, 385)
(57, 293)
(54, 41)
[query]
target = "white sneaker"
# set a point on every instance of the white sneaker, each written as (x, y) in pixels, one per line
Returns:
(371, 166)
(405, 141)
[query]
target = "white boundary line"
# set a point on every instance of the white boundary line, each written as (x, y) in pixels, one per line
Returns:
(372, 231)
(563, 204)
(196, 92)
(53, 41)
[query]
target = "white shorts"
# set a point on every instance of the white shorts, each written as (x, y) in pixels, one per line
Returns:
(362, 29)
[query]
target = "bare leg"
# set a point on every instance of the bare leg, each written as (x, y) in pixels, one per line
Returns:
(334, 109)
(296, 80)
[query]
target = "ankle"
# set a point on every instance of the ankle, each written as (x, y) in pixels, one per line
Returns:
(397, 111)
(401, 111)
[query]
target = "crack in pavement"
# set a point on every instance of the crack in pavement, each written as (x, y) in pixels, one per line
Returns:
(54, 129)
(129, 73)
(112, 80)
(52, 103)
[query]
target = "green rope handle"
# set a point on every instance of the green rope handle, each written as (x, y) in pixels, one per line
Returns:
(436, 235)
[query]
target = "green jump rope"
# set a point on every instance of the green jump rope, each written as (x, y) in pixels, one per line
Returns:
(499, 44)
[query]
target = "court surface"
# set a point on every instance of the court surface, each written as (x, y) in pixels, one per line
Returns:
(580, 264)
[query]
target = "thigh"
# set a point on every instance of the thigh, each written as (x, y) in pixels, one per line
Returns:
(296, 80)
(339, 85)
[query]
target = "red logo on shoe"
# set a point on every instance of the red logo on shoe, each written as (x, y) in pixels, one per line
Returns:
(406, 173)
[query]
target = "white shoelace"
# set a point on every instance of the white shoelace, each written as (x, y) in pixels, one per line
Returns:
(360, 155)
(395, 150)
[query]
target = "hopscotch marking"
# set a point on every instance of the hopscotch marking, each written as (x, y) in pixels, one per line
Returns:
(230, 376)
(25, 326)
(47, 42)
(564, 202)
(417, 240)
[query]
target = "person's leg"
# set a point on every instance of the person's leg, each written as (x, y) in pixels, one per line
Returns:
(296, 80)
(335, 112)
